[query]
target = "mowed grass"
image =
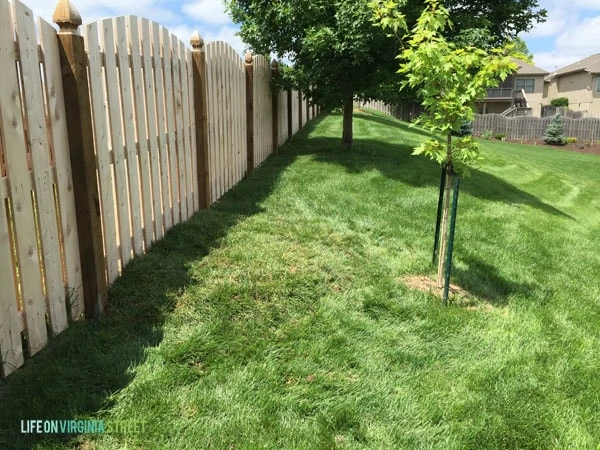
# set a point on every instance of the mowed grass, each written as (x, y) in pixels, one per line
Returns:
(279, 318)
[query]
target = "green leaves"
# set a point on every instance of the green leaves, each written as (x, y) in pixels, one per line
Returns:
(448, 79)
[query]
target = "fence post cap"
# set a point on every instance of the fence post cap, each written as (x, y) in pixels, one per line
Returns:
(196, 40)
(66, 17)
(248, 57)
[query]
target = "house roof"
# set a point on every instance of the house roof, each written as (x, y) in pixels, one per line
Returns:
(590, 64)
(528, 69)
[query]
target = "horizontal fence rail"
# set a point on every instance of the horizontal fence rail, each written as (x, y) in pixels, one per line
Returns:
(108, 139)
(532, 128)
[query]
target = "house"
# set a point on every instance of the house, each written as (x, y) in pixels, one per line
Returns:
(520, 93)
(579, 82)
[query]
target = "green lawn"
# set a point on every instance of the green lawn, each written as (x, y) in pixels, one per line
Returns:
(279, 318)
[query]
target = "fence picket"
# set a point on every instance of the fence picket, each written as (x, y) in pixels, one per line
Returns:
(141, 132)
(41, 170)
(178, 118)
(103, 145)
(20, 183)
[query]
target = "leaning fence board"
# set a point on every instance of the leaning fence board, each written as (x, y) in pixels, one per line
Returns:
(141, 130)
(99, 107)
(42, 172)
(20, 182)
(62, 168)
(11, 347)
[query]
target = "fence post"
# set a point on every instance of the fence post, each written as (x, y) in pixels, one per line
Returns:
(201, 118)
(275, 106)
(249, 111)
(73, 62)
(299, 109)
(289, 113)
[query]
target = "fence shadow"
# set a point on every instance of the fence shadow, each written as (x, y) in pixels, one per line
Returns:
(95, 357)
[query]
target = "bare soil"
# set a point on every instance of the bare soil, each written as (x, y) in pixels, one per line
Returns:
(456, 294)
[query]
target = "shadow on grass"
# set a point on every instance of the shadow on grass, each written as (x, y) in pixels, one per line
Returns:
(484, 281)
(395, 161)
(80, 369)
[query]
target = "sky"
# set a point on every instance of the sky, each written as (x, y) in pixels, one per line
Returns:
(571, 32)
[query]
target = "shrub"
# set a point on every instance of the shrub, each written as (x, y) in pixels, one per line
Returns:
(466, 129)
(500, 136)
(571, 140)
(560, 102)
(554, 134)
(487, 134)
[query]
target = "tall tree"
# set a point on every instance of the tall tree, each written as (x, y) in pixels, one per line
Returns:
(449, 79)
(336, 52)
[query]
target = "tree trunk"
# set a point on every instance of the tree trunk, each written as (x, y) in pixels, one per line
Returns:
(347, 124)
(444, 227)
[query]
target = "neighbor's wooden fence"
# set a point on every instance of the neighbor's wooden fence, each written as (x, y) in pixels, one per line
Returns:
(584, 129)
(107, 140)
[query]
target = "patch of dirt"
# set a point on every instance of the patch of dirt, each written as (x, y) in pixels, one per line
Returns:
(579, 147)
(456, 294)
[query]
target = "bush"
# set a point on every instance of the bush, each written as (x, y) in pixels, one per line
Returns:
(500, 136)
(466, 129)
(571, 140)
(554, 134)
(487, 134)
(560, 102)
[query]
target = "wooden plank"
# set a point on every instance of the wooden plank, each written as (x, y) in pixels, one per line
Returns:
(129, 118)
(154, 150)
(99, 105)
(157, 52)
(11, 347)
(220, 107)
(214, 122)
(178, 110)
(210, 123)
(228, 122)
(240, 119)
(64, 178)
(196, 93)
(107, 42)
(20, 182)
(141, 131)
(171, 130)
(42, 172)
(189, 128)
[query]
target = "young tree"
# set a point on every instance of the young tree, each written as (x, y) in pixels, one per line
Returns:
(448, 80)
(555, 132)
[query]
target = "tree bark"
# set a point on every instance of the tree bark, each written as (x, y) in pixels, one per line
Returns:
(347, 123)
(444, 227)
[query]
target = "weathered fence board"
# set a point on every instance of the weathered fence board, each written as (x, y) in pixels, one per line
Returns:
(282, 121)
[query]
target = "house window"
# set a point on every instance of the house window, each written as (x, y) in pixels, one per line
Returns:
(598, 85)
(527, 84)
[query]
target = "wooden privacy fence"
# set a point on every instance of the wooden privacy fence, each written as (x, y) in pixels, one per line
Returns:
(107, 140)
(584, 129)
